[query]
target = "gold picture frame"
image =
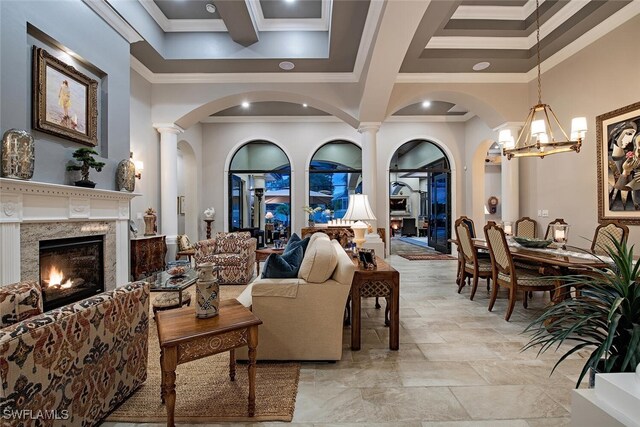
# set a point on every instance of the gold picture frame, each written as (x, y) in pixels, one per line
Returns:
(618, 148)
(65, 101)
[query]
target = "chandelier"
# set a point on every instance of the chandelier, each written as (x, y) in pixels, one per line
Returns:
(536, 139)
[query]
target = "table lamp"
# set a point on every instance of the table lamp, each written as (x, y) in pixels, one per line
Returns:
(359, 211)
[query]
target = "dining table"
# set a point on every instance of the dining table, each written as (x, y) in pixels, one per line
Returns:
(565, 260)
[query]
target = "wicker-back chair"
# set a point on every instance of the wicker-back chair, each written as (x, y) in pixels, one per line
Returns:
(471, 264)
(526, 227)
(506, 274)
(604, 233)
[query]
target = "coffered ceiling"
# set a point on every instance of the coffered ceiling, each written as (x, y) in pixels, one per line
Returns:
(455, 35)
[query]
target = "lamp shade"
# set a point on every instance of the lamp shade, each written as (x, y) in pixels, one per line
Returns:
(538, 127)
(139, 165)
(504, 136)
(359, 208)
(579, 124)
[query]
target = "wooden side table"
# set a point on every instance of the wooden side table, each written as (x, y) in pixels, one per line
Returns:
(184, 338)
(383, 281)
(263, 254)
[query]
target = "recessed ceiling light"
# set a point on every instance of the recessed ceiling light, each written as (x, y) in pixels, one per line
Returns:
(290, 1)
(305, 105)
(426, 104)
(245, 104)
(481, 66)
(287, 65)
(210, 8)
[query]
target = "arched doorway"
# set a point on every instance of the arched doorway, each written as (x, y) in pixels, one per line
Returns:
(335, 172)
(260, 183)
(420, 196)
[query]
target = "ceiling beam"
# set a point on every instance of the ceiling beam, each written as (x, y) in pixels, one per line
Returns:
(238, 20)
(389, 49)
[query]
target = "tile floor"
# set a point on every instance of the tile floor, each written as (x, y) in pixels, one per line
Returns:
(458, 364)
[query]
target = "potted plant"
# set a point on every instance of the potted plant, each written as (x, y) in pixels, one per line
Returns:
(603, 317)
(84, 155)
(311, 211)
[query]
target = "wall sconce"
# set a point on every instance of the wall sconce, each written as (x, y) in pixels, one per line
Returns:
(139, 168)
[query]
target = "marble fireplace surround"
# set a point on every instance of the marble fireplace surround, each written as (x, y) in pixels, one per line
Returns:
(34, 211)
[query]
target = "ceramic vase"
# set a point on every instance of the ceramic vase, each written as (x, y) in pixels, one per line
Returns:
(126, 176)
(18, 154)
(207, 292)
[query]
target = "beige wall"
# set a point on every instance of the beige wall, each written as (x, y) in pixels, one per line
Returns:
(600, 78)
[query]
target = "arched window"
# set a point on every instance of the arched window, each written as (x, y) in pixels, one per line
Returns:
(260, 183)
(335, 172)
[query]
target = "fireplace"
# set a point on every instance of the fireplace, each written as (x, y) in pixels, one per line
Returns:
(71, 269)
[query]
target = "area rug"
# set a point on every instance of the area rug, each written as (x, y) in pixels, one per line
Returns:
(425, 257)
(204, 392)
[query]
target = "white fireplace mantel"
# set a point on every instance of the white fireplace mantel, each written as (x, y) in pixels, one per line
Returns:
(38, 202)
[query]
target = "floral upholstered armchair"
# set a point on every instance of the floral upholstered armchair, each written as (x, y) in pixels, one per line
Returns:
(75, 363)
(233, 253)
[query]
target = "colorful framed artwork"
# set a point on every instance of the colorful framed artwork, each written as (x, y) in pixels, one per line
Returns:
(65, 101)
(618, 144)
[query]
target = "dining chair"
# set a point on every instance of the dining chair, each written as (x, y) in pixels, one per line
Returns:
(506, 274)
(549, 233)
(606, 231)
(476, 267)
(526, 227)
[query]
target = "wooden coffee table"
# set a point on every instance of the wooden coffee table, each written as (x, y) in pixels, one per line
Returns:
(263, 254)
(184, 338)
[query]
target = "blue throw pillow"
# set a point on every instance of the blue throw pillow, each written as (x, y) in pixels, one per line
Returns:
(283, 266)
(297, 243)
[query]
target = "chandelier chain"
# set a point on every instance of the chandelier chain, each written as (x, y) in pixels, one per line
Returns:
(538, 50)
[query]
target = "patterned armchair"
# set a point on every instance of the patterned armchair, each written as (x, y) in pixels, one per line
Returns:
(77, 362)
(234, 253)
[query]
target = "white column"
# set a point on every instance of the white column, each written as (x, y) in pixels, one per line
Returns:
(369, 133)
(169, 184)
(510, 181)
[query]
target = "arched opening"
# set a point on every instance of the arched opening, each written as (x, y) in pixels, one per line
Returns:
(260, 191)
(335, 171)
(420, 198)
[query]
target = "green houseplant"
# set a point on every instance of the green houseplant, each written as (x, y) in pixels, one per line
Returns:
(85, 157)
(604, 317)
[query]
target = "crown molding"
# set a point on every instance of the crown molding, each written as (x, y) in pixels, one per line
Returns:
(612, 22)
(181, 25)
(462, 78)
(270, 119)
(501, 13)
(288, 77)
(430, 119)
(115, 21)
(522, 43)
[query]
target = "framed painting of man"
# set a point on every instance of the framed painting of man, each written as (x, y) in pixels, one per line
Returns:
(618, 146)
(65, 101)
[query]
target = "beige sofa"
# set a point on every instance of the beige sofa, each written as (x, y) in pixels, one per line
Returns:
(303, 317)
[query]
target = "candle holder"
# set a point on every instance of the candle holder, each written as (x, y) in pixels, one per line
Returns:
(560, 235)
(507, 227)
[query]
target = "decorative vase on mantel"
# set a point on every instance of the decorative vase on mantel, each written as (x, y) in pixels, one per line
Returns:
(207, 292)
(126, 175)
(150, 219)
(18, 154)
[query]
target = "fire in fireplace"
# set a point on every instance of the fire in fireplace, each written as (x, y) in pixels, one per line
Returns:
(71, 269)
